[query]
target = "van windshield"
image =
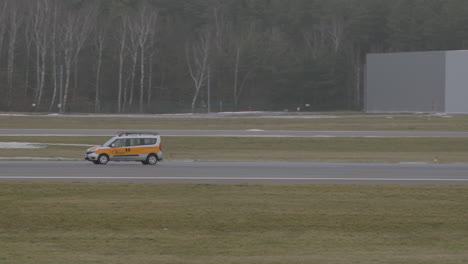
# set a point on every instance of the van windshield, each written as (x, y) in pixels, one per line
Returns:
(109, 142)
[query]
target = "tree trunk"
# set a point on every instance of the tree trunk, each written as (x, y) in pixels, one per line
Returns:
(236, 77)
(121, 62)
(67, 83)
(11, 53)
(142, 76)
(100, 49)
(132, 83)
(98, 74)
(38, 92)
(150, 82)
(54, 59)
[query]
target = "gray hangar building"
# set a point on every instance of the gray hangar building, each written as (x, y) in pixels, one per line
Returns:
(430, 82)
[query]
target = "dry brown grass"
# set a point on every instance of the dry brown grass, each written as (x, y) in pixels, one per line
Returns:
(405, 123)
(151, 223)
(372, 150)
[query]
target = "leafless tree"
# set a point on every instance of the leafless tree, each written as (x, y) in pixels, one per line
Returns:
(3, 26)
(28, 37)
(220, 26)
(315, 38)
(337, 29)
(15, 22)
(311, 40)
(144, 26)
(3, 23)
(240, 42)
(197, 54)
(74, 32)
(122, 47)
(99, 42)
(54, 52)
(152, 52)
(133, 48)
(41, 24)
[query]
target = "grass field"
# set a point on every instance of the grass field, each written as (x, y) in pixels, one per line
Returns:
(404, 123)
(381, 150)
(149, 223)
(444, 150)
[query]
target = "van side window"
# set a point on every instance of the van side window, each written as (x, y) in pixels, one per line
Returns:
(149, 141)
(134, 142)
(119, 143)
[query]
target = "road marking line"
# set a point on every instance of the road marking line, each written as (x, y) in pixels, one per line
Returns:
(225, 178)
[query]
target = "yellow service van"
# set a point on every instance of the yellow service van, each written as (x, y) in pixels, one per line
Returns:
(128, 146)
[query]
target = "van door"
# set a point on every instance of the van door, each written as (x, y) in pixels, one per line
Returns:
(133, 149)
(142, 147)
(119, 150)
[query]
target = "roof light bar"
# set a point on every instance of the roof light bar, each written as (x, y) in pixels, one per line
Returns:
(127, 133)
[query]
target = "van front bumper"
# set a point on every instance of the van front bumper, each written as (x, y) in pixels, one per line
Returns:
(91, 157)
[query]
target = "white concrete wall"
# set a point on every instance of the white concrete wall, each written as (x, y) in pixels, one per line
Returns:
(405, 82)
(456, 81)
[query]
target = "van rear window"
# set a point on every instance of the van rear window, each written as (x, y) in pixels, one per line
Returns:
(147, 141)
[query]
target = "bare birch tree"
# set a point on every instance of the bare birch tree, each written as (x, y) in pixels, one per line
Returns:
(15, 22)
(74, 32)
(54, 56)
(152, 52)
(315, 38)
(3, 23)
(99, 42)
(146, 27)
(241, 74)
(197, 54)
(133, 48)
(122, 47)
(41, 23)
(311, 42)
(141, 30)
(28, 37)
(3, 26)
(337, 31)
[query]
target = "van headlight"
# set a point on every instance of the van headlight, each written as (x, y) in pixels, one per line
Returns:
(90, 151)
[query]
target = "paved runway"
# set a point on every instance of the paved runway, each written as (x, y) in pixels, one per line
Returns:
(232, 133)
(236, 173)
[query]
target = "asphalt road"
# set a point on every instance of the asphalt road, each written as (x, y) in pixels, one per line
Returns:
(233, 133)
(236, 173)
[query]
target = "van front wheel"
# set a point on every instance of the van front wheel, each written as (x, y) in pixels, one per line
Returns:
(152, 159)
(103, 159)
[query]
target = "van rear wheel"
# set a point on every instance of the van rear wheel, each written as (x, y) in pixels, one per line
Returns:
(152, 159)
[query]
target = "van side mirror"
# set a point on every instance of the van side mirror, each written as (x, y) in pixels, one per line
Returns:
(112, 145)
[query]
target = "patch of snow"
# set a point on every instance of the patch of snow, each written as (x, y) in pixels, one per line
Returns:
(302, 116)
(34, 158)
(241, 114)
(55, 135)
(29, 145)
(72, 145)
(21, 145)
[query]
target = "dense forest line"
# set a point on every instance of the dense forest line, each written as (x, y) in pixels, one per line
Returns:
(209, 55)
